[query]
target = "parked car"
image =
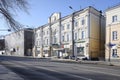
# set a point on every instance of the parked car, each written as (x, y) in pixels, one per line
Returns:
(2, 52)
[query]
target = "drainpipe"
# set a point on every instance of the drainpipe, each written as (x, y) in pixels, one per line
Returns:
(50, 37)
(109, 59)
(100, 37)
(34, 43)
(60, 32)
(89, 53)
(42, 42)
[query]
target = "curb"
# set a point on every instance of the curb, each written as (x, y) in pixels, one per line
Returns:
(86, 62)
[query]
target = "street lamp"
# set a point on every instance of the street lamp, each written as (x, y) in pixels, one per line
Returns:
(71, 8)
(72, 32)
(5, 30)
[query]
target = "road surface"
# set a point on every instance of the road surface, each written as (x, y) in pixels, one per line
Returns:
(44, 69)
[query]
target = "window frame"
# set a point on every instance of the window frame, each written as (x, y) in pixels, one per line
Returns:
(68, 37)
(75, 36)
(83, 35)
(82, 21)
(114, 35)
(114, 18)
(114, 52)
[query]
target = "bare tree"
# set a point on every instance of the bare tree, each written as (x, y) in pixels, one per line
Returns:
(9, 7)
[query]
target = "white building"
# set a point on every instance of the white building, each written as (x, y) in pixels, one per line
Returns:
(19, 43)
(113, 33)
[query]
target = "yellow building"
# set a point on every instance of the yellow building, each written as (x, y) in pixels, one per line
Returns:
(80, 34)
(113, 33)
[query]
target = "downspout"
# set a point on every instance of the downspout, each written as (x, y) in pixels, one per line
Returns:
(89, 53)
(42, 41)
(50, 47)
(60, 33)
(100, 55)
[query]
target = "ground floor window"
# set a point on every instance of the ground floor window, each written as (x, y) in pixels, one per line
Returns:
(114, 52)
(80, 51)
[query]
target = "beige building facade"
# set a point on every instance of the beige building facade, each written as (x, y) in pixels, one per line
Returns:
(80, 34)
(113, 33)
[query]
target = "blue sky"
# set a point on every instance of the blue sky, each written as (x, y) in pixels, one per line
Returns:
(40, 10)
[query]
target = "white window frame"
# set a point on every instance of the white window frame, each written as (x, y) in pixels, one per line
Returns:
(68, 37)
(83, 35)
(75, 36)
(114, 52)
(114, 18)
(114, 35)
(82, 21)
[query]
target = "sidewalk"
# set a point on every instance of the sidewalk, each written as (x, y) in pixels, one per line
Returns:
(86, 62)
(6, 74)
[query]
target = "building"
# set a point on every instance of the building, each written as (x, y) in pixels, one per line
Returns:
(2, 44)
(112, 33)
(19, 43)
(47, 37)
(38, 40)
(80, 34)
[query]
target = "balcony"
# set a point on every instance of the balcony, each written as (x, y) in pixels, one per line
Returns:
(66, 42)
(80, 41)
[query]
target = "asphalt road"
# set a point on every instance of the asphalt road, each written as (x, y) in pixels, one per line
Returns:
(44, 69)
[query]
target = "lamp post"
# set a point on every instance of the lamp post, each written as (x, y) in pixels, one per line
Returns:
(72, 31)
(5, 30)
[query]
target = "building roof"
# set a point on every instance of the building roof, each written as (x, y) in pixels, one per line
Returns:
(67, 16)
(24, 29)
(113, 7)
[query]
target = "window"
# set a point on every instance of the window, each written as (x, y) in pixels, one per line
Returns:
(36, 35)
(75, 36)
(47, 32)
(40, 34)
(44, 33)
(67, 37)
(82, 21)
(76, 23)
(83, 35)
(114, 52)
(47, 41)
(68, 26)
(114, 35)
(37, 43)
(54, 18)
(55, 32)
(62, 38)
(80, 51)
(62, 27)
(114, 18)
(55, 39)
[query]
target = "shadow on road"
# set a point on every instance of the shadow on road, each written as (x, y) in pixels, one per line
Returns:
(15, 58)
